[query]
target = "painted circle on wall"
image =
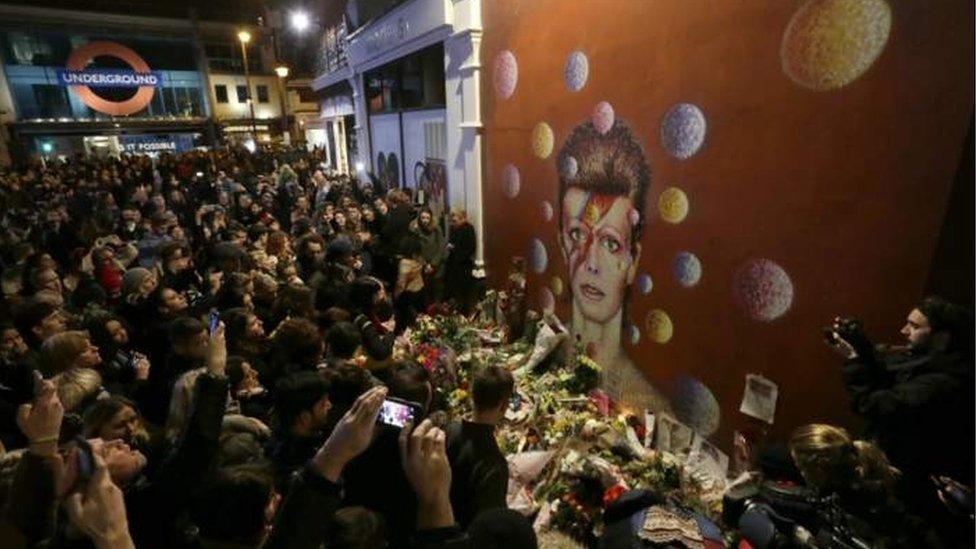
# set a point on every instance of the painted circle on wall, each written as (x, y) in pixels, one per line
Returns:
(633, 216)
(546, 210)
(512, 179)
(538, 257)
(576, 71)
(696, 406)
(568, 167)
(644, 283)
(557, 285)
(658, 326)
(762, 289)
(683, 130)
(506, 74)
(673, 205)
(830, 43)
(687, 269)
(547, 300)
(633, 334)
(602, 117)
(542, 140)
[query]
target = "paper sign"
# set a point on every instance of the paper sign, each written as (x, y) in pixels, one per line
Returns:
(672, 435)
(648, 428)
(708, 456)
(759, 398)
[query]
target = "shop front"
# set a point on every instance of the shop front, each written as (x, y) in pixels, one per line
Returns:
(414, 73)
(80, 91)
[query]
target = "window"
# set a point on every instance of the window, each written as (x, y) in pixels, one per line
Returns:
(52, 100)
(220, 91)
(242, 94)
(262, 94)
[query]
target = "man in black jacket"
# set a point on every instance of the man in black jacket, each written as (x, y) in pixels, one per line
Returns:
(480, 470)
(918, 400)
(188, 341)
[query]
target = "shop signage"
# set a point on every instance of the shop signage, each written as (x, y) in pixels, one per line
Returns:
(82, 79)
(386, 36)
(408, 27)
(141, 144)
(108, 78)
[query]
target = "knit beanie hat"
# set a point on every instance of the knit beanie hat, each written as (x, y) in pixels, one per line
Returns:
(132, 279)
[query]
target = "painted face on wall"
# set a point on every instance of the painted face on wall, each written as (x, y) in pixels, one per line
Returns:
(596, 234)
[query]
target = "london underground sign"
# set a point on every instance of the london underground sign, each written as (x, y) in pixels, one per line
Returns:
(82, 79)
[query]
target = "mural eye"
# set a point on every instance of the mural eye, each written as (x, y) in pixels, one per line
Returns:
(611, 244)
(576, 234)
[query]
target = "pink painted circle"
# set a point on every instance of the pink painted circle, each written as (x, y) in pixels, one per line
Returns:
(512, 179)
(547, 300)
(506, 74)
(762, 289)
(603, 117)
(546, 209)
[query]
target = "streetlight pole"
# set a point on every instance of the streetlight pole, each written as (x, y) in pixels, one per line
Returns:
(245, 37)
(282, 72)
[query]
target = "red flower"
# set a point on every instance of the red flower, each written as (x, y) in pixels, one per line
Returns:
(613, 493)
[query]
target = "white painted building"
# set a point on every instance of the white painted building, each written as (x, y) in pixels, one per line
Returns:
(413, 75)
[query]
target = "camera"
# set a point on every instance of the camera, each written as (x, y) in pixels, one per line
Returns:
(847, 329)
(774, 515)
(851, 331)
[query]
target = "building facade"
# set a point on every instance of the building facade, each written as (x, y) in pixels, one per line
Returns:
(407, 90)
(104, 83)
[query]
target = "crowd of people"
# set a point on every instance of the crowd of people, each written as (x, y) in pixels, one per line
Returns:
(195, 350)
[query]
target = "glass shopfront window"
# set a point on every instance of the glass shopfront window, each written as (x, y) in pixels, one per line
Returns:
(413, 82)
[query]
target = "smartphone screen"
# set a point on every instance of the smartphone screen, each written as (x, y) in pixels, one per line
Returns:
(213, 321)
(396, 413)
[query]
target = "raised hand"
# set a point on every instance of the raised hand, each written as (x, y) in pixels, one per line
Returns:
(351, 435)
(40, 421)
(100, 511)
(217, 351)
(424, 457)
(141, 367)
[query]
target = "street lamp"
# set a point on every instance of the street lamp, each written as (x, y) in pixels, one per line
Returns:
(244, 37)
(282, 72)
(300, 20)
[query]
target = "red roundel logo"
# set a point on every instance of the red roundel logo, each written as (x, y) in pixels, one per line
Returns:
(80, 58)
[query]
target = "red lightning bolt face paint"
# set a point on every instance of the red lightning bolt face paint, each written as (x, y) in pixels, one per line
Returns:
(582, 238)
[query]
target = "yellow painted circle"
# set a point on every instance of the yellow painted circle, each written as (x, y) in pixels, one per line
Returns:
(673, 205)
(542, 140)
(830, 43)
(658, 326)
(557, 285)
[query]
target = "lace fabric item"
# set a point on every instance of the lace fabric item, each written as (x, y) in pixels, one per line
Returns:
(663, 526)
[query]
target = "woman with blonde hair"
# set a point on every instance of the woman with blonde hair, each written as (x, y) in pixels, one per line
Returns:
(78, 387)
(68, 350)
(859, 477)
(831, 461)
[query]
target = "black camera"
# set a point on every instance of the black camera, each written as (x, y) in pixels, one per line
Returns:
(844, 328)
(773, 515)
(850, 330)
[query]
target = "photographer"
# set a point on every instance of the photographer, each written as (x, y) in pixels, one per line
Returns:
(917, 400)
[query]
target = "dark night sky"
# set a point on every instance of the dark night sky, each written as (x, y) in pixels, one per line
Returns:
(234, 11)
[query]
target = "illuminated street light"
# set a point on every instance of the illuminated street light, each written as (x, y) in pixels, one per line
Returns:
(300, 20)
(245, 37)
(282, 72)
